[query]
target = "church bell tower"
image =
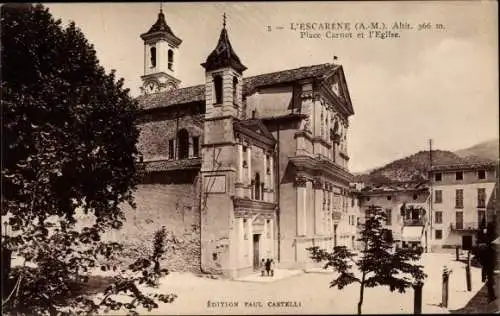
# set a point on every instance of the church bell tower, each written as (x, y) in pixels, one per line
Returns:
(160, 50)
(223, 103)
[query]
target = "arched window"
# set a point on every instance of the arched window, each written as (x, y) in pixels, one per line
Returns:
(170, 59)
(152, 50)
(257, 186)
(183, 144)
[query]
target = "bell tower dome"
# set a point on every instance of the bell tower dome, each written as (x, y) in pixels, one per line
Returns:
(160, 51)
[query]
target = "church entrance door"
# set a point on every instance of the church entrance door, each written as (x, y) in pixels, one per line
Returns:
(256, 255)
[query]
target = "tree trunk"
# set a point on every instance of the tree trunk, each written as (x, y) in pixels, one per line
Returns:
(6, 266)
(361, 293)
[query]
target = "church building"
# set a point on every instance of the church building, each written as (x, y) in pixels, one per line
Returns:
(240, 168)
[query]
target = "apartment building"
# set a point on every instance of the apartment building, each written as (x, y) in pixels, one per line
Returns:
(406, 205)
(462, 197)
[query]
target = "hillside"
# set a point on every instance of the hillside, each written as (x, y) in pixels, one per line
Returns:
(415, 167)
(485, 150)
(411, 168)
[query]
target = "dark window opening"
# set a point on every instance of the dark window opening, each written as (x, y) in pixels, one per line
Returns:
(481, 197)
(257, 186)
(196, 146)
(218, 89)
(481, 174)
(235, 90)
(152, 50)
(415, 196)
(183, 144)
(439, 217)
(389, 197)
(438, 196)
(459, 221)
(170, 59)
(388, 216)
(459, 198)
(459, 175)
(171, 150)
(439, 234)
(438, 177)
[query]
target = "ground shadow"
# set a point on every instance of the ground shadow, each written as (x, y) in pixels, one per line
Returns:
(479, 304)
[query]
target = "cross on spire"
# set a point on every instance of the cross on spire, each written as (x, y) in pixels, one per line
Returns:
(224, 20)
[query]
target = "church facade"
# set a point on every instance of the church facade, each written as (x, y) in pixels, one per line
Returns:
(242, 168)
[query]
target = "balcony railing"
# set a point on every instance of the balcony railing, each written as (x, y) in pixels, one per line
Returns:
(414, 222)
(464, 226)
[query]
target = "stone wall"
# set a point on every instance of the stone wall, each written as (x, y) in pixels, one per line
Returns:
(155, 133)
(169, 200)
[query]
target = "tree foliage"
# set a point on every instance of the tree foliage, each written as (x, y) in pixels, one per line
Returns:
(378, 263)
(68, 144)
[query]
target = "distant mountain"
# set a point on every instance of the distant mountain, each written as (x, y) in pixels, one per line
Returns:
(411, 168)
(415, 167)
(483, 151)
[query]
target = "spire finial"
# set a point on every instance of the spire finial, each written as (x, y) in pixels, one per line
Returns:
(161, 7)
(224, 20)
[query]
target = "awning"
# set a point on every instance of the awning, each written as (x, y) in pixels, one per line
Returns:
(412, 233)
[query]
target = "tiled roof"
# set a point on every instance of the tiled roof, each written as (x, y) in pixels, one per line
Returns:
(160, 25)
(461, 166)
(167, 165)
(172, 97)
(223, 55)
(197, 93)
(395, 187)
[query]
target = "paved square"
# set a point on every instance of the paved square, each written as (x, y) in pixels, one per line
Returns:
(309, 293)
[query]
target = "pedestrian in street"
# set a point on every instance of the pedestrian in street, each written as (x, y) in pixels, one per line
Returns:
(490, 260)
(482, 260)
(271, 267)
(268, 266)
(262, 267)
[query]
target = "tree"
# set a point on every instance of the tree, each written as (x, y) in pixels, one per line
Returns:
(69, 144)
(378, 264)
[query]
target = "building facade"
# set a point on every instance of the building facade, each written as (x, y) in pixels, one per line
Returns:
(463, 197)
(242, 168)
(406, 206)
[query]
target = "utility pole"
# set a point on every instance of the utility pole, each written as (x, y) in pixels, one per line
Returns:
(431, 195)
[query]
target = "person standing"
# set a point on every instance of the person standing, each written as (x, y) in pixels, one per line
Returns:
(268, 266)
(262, 266)
(490, 260)
(271, 267)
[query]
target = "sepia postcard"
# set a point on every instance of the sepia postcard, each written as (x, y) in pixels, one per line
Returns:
(290, 157)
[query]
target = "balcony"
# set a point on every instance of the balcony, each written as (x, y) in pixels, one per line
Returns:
(464, 226)
(414, 222)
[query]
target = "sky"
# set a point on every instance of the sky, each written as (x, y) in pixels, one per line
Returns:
(439, 83)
